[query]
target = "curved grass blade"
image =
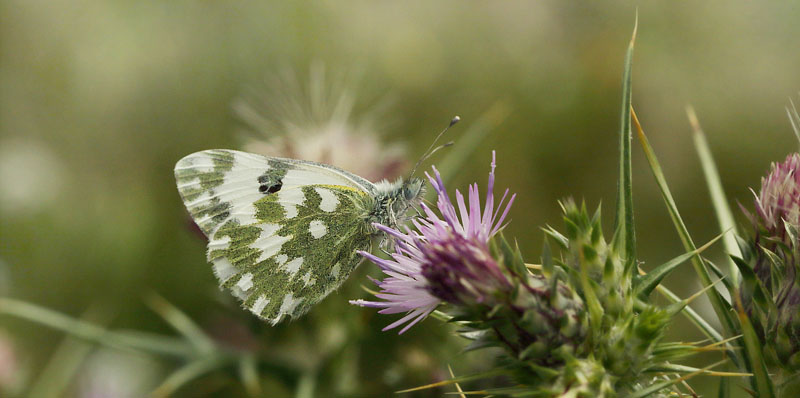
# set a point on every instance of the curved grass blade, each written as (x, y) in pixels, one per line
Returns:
(64, 364)
(624, 239)
(692, 315)
(670, 382)
(718, 198)
(117, 339)
(717, 302)
(186, 374)
(180, 322)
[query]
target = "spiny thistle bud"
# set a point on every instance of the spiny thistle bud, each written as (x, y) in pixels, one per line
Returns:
(770, 265)
(570, 331)
(624, 340)
(553, 319)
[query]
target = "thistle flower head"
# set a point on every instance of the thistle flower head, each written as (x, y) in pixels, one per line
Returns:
(461, 271)
(770, 266)
(443, 258)
(778, 202)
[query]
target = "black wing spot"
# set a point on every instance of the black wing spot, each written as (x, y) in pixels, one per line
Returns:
(275, 187)
(267, 188)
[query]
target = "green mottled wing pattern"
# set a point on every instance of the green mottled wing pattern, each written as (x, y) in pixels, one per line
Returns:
(286, 265)
(282, 234)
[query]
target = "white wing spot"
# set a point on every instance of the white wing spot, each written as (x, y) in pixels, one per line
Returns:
(329, 199)
(290, 199)
(224, 269)
(317, 229)
(259, 305)
(293, 266)
(290, 209)
(335, 270)
(245, 282)
(308, 280)
(239, 293)
(269, 246)
(268, 230)
(289, 304)
(219, 243)
(281, 259)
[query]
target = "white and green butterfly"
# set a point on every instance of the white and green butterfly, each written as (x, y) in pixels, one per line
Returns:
(284, 233)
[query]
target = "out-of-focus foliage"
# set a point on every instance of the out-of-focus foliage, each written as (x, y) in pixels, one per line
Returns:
(99, 99)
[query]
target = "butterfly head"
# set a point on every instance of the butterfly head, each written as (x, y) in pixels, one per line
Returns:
(393, 200)
(412, 190)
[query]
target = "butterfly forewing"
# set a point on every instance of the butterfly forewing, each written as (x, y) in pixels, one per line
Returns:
(282, 233)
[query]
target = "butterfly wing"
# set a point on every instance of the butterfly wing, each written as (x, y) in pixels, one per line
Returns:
(282, 233)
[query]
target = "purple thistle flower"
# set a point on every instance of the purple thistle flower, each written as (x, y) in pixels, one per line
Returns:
(779, 199)
(432, 262)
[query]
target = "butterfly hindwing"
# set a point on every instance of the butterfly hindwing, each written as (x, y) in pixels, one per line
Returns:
(286, 265)
(282, 234)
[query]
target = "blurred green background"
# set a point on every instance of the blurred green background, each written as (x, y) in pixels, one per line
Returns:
(98, 100)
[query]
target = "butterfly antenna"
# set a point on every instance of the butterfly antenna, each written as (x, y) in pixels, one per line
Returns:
(431, 150)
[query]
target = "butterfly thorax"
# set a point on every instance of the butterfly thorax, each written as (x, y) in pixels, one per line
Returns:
(393, 200)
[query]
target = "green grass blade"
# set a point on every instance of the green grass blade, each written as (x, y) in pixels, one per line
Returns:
(56, 376)
(755, 357)
(624, 235)
(724, 389)
(692, 315)
(187, 374)
(724, 215)
(306, 385)
(645, 284)
(116, 339)
(669, 382)
(794, 119)
(717, 302)
(181, 322)
(248, 374)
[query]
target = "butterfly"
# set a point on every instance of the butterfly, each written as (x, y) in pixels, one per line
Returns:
(284, 233)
